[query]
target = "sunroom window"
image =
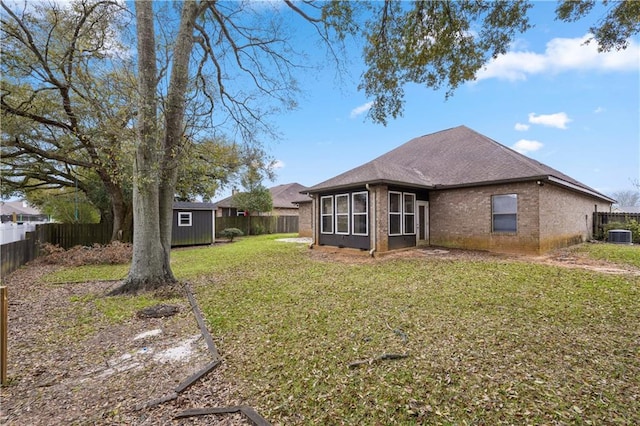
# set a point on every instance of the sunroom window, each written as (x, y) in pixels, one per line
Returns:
(360, 214)
(326, 214)
(402, 213)
(395, 213)
(342, 214)
(409, 211)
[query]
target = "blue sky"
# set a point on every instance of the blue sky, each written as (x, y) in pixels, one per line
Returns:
(550, 97)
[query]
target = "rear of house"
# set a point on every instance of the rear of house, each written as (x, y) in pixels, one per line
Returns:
(458, 189)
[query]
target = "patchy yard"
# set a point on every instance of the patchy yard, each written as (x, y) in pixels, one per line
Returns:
(315, 337)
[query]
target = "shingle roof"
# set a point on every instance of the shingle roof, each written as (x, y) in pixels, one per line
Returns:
(184, 205)
(450, 158)
(18, 207)
(283, 196)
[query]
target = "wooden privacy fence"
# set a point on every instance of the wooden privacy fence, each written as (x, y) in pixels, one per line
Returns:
(66, 235)
(258, 224)
(600, 219)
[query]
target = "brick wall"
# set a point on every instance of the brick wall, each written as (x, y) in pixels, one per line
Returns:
(380, 220)
(566, 216)
(305, 228)
(462, 218)
(549, 217)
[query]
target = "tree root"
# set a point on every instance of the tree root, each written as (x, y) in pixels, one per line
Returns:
(383, 357)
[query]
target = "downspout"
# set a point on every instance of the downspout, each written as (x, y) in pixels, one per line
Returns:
(374, 234)
(313, 219)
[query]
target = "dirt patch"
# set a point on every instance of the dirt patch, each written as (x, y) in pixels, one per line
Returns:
(565, 258)
(102, 375)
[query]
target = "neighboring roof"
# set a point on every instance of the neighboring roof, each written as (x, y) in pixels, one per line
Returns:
(626, 209)
(456, 157)
(18, 207)
(283, 196)
(182, 205)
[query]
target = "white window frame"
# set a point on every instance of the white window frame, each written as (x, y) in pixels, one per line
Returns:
(395, 213)
(505, 213)
(341, 214)
(405, 213)
(365, 213)
(323, 215)
(182, 216)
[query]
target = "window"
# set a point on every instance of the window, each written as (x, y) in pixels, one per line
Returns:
(504, 211)
(184, 218)
(360, 214)
(409, 214)
(326, 215)
(395, 213)
(342, 214)
(402, 213)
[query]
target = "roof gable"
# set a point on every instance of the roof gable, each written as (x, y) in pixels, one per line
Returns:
(449, 158)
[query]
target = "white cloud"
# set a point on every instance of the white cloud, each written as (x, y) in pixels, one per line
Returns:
(277, 164)
(558, 120)
(524, 146)
(598, 110)
(560, 55)
(521, 127)
(361, 109)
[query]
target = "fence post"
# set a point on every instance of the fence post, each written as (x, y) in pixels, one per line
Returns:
(4, 317)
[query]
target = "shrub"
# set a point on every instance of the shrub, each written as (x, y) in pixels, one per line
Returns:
(631, 225)
(231, 233)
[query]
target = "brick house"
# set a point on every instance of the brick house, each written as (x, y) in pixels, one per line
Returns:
(454, 188)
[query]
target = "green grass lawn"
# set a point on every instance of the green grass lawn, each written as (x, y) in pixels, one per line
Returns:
(486, 341)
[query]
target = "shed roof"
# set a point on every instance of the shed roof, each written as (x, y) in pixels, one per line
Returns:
(455, 157)
(183, 205)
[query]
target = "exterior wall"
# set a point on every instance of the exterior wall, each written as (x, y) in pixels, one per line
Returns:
(380, 225)
(549, 217)
(461, 218)
(566, 217)
(200, 231)
(305, 217)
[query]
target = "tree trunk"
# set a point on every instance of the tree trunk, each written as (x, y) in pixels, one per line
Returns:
(119, 212)
(150, 268)
(155, 176)
(174, 126)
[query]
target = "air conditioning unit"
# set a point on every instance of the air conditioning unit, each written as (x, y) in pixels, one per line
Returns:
(619, 236)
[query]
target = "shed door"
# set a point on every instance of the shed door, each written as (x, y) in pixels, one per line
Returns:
(423, 223)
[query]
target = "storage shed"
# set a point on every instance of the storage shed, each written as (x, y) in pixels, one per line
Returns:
(193, 224)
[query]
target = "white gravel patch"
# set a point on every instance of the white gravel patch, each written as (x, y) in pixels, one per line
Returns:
(302, 240)
(149, 333)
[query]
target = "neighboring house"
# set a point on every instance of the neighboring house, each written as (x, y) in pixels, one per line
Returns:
(627, 209)
(284, 199)
(20, 211)
(193, 224)
(454, 188)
